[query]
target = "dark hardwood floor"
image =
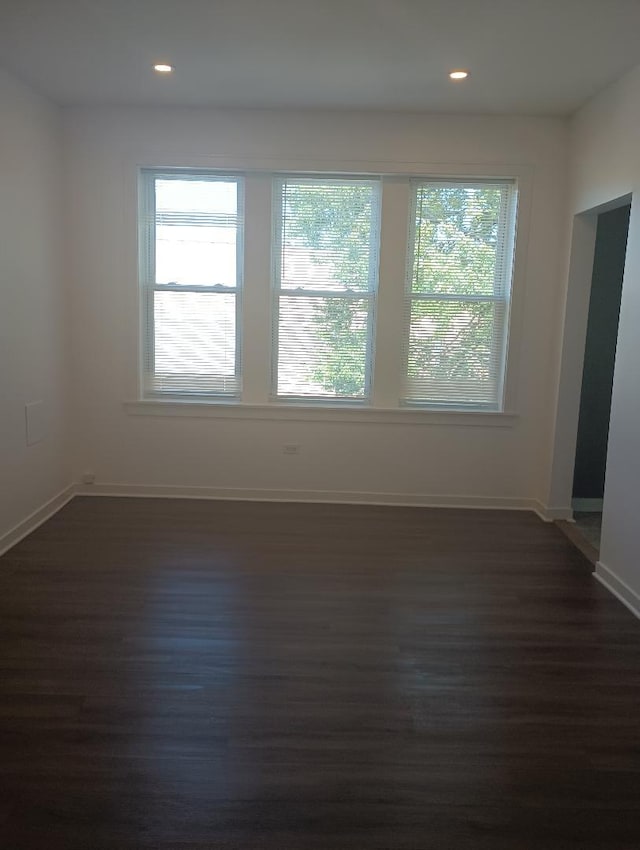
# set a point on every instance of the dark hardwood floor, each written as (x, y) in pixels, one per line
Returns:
(182, 674)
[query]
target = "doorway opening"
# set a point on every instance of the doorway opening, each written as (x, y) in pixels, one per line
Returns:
(597, 374)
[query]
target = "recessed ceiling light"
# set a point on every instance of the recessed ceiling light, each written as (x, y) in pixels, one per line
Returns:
(161, 68)
(459, 75)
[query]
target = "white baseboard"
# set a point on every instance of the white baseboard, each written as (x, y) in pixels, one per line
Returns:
(587, 505)
(42, 514)
(552, 514)
(323, 496)
(618, 588)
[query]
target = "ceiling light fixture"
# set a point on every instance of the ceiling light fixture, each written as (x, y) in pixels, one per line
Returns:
(459, 75)
(161, 68)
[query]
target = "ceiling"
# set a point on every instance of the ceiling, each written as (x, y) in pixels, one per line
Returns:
(525, 56)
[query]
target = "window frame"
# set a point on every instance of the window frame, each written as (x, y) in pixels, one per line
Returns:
(254, 404)
(149, 286)
(508, 237)
(369, 295)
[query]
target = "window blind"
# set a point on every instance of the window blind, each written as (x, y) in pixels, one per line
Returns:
(458, 290)
(191, 270)
(325, 279)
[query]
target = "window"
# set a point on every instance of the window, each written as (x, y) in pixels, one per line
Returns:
(326, 272)
(191, 270)
(313, 301)
(457, 304)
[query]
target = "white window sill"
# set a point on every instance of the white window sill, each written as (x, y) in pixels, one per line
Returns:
(315, 413)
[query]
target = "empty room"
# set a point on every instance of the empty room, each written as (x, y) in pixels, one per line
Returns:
(319, 425)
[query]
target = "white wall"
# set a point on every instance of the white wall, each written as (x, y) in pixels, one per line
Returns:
(33, 327)
(466, 463)
(606, 166)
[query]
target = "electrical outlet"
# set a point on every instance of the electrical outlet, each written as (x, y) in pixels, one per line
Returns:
(88, 478)
(291, 449)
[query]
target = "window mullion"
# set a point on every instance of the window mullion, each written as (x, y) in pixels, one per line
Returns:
(387, 371)
(256, 295)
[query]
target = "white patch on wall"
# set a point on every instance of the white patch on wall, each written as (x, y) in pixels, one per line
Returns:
(35, 421)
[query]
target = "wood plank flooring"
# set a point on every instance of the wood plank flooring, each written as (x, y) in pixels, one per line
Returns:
(244, 676)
